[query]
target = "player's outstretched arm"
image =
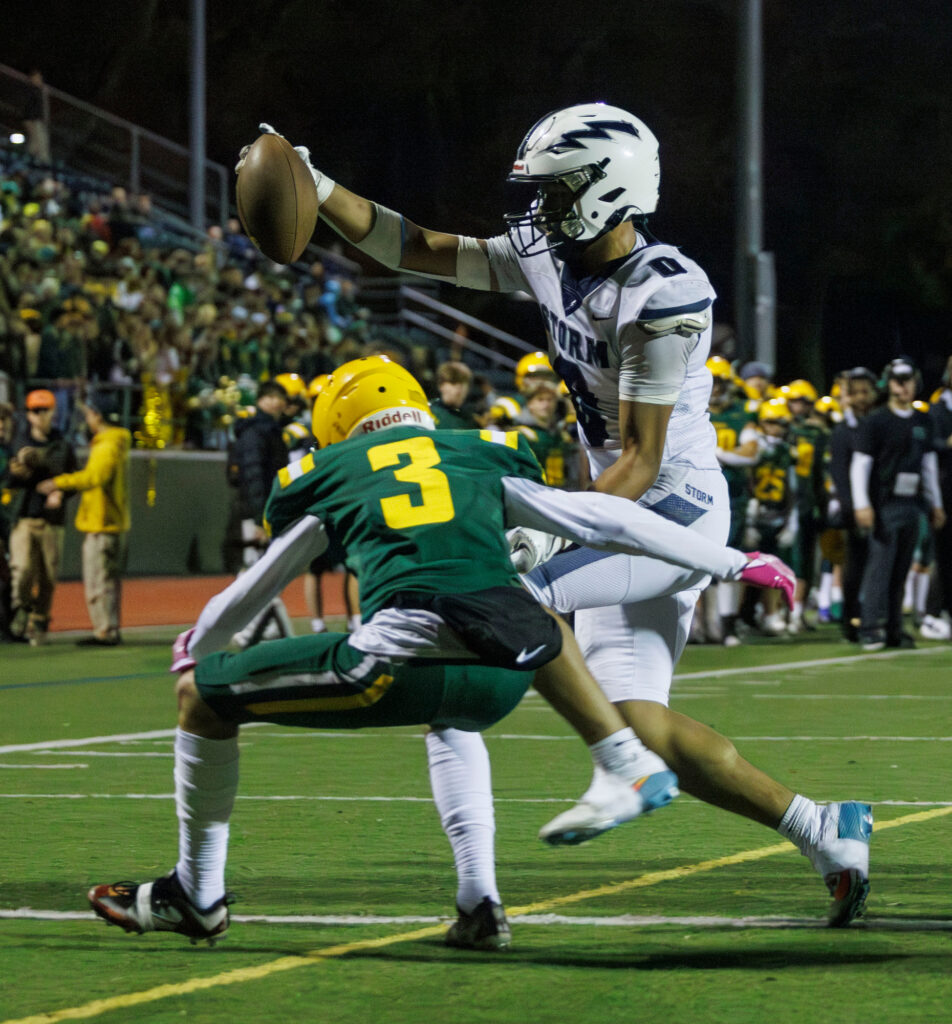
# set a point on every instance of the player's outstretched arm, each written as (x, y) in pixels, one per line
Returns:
(235, 606)
(394, 241)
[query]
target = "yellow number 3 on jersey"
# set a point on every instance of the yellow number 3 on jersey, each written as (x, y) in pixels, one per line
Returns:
(436, 506)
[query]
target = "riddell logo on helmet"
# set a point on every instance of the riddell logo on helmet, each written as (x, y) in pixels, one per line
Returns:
(406, 416)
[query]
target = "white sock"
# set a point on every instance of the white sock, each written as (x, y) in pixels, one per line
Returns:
(836, 594)
(825, 593)
(907, 592)
(353, 623)
(462, 791)
(624, 754)
(318, 626)
(728, 598)
(801, 823)
(922, 592)
(206, 781)
(797, 613)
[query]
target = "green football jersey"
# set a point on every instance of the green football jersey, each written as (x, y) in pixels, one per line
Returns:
(555, 452)
(772, 482)
(415, 511)
(729, 423)
(809, 442)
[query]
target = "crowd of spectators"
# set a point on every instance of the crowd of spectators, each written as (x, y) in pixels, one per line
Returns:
(849, 487)
(98, 290)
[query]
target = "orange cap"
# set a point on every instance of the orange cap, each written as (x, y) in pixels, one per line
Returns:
(41, 399)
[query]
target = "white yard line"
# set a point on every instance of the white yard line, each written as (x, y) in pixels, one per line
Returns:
(683, 800)
(542, 920)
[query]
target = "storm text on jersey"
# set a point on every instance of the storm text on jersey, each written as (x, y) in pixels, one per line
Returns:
(572, 342)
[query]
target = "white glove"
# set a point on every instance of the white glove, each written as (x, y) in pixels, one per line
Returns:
(322, 182)
(787, 535)
(529, 548)
(751, 538)
(753, 508)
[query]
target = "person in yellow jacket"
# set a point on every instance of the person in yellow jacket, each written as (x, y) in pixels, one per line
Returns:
(103, 516)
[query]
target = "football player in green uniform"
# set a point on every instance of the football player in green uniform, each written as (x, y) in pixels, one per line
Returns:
(772, 512)
(420, 516)
(809, 440)
(734, 418)
(555, 451)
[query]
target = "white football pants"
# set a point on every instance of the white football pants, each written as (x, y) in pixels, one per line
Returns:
(633, 613)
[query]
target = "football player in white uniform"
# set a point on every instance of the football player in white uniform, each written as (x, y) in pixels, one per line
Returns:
(629, 322)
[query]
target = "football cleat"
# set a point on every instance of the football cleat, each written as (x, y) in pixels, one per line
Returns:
(159, 906)
(842, 858)
(484, 927)
(769, 571)
(608, 803)
(934, 628)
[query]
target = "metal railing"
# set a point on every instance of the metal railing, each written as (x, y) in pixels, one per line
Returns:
(89, 140)
(499, 348)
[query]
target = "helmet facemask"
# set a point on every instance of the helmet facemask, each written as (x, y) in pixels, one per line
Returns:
(554, 220)
(591, 167)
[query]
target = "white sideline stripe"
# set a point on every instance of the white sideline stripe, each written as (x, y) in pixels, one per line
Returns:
(683, 800)
(574, 739)
(850, 696)
(103, 753)
(42, 767)
(121, 737)
(544, 920)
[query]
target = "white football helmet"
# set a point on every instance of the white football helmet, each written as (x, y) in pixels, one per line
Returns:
(593, 166)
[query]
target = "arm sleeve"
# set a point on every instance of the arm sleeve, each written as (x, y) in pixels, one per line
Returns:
(610, 523)
(861, 469)
(504, 263)
(930, 480)
(652, 369)
(233, 608)
(726, 458)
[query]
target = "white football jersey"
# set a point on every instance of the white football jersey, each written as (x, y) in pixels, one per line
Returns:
(600, 325)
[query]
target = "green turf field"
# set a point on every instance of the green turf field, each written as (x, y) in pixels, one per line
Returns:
(689, 915)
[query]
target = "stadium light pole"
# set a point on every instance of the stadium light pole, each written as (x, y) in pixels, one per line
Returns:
(196, 176)
(754, 280)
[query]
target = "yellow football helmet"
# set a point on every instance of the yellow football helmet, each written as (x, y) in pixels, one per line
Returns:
(801, 389)
(293, 384)
(827, 405)
(368, 394)
(720, 368)
(316, 385)
(774, 410)
(534, 364)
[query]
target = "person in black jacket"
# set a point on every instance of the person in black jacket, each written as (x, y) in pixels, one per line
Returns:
(940, 412)
(255, 457)
(860, 388)
(38, 451)
(893, 479)
(257, 454)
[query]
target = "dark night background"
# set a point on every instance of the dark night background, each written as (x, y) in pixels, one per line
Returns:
(420, 105)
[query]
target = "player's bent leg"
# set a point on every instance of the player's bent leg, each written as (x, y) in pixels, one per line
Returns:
(708, 764)
(191, 899)
(633, 780)
(461, 780)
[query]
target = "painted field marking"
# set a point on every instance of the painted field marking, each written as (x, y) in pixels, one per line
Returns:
(317, 956)
(683, 801)
(536, 920)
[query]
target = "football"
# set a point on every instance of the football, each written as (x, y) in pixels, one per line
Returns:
(277, 200)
